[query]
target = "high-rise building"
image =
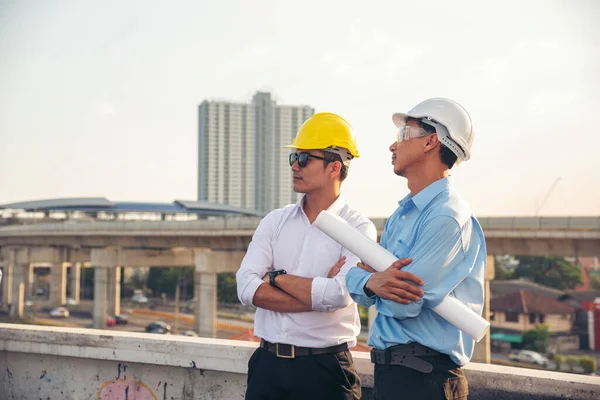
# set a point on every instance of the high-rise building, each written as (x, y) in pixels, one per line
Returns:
(241, 159)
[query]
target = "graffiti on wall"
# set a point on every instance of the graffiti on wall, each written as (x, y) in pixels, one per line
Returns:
(121, 389)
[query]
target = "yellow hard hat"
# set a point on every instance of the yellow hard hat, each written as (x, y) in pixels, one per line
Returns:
(324, 130)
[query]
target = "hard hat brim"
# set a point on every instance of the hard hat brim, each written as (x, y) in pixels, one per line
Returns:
(400, 118)
(292, 146)
(344, 154)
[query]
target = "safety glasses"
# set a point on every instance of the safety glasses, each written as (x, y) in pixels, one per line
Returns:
(407, 132)
(302, 158)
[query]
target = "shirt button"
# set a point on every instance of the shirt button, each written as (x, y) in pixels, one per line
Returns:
(404, 217)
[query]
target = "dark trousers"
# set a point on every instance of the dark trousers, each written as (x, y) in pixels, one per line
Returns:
(324, 376)
(446, 381)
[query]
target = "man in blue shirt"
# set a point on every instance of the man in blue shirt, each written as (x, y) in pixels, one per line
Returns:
(418, 354)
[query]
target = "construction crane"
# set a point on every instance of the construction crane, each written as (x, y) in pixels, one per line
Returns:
(539, 207)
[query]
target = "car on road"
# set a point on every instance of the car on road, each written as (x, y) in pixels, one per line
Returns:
(529, 357)
(139, 298)
(159, 327)
(59, 312)
(110, 321)
(121, 319)
(188, 333)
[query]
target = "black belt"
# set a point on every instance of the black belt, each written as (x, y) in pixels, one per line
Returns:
(406, 355)
(290, 351)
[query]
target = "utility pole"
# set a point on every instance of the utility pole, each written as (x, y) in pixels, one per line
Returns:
(35, 296)
(176, 323)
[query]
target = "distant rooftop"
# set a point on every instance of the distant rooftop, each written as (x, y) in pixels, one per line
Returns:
(101, 204)
(501, 288)
(525, 302)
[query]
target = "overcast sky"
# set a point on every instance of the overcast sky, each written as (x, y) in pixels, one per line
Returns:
(100, 98)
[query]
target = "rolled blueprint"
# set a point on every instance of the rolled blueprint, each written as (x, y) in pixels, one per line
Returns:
(451, 309)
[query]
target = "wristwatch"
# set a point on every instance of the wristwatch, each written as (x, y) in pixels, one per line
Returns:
(273, 274)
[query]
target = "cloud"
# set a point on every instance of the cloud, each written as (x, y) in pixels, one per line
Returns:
(401, 57)
(523, 57)
(544, 101)
(371, 52)
(256, 50)
(107, 108)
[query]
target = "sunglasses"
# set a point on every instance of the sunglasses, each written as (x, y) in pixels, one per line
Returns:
(302, 158)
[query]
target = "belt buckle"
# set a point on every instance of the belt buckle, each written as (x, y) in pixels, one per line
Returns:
(291, 355)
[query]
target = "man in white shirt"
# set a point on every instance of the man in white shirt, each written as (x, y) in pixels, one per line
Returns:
(295, 275)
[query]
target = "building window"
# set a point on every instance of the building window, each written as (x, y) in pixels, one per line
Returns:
(541, 318)
(512, 317)
(532, 318)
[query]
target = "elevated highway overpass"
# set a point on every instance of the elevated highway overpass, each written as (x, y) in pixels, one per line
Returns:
(559, 236)
(217, 245)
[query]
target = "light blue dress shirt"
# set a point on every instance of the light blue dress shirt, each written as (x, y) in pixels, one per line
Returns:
(437, 229)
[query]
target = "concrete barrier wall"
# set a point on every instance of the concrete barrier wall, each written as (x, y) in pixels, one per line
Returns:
(63, 363)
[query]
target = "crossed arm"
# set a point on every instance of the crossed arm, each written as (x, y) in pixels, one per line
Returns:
(274, 299)
(300, 294)
(293, 293)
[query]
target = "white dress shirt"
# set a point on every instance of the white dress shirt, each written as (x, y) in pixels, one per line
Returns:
(285, 239)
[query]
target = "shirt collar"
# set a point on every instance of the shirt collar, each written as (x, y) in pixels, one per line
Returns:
(405, 200)
(298, 206)
(335, 207)
(425, 196)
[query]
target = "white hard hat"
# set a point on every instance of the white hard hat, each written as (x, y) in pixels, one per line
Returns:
(451, 121)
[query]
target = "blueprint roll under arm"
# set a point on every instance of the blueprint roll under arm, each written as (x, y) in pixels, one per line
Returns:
(451, 309)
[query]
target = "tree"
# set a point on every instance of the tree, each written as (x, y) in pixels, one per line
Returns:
(164, 280)
(589, 364)
(135, 282)
(363, 312)
(87, 291)
(595, 281)
(555, 272)
(537, 338)
(227, 288)
(505, 267)
(572, 361)
(559, 360)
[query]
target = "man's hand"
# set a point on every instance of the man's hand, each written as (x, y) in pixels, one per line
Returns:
(267, 279)
(403, 262)
(366, 267)
(336, 268)
(393, 284)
